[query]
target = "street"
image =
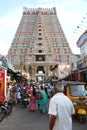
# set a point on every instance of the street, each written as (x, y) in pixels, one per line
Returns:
(22, 119)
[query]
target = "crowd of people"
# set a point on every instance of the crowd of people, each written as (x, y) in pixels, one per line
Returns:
(38, 95)
(47, 98)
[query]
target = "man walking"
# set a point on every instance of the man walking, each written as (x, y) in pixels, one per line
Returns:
(60, 110)
(15, 92)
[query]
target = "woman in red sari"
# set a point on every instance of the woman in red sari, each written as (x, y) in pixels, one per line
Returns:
(32, 103)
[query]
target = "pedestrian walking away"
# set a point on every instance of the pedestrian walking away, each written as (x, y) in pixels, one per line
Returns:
(44, 101)
(60, 110)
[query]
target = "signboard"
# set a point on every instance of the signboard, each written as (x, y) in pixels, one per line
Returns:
(82, 63)
(82, 39)
(2, 85)
(63, 70)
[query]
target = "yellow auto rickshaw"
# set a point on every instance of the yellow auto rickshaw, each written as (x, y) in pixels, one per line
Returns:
(77, 92)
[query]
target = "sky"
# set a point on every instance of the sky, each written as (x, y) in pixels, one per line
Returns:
(72, 15)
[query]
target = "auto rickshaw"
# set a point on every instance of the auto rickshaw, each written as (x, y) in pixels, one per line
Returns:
(77, 92)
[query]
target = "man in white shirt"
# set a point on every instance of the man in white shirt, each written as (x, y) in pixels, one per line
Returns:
(60, 110)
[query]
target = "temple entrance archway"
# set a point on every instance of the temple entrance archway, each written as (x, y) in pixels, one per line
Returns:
(40, 73)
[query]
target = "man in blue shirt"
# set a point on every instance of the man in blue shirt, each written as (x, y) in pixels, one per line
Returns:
(15, 91)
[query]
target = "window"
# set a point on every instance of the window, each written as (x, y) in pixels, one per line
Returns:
(77, 90)
(40, 33)
(24, 13)
(59, 58)
(39, 38)
(39, 29)
(40, 51)
(33, 13)
(40, 44)
(40, 57)
(28, 13)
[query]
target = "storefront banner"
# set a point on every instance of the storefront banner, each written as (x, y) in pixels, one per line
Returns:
(2, 85)
(63, 70)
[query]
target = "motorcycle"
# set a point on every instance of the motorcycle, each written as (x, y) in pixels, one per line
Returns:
(24, 100)
(5, 109)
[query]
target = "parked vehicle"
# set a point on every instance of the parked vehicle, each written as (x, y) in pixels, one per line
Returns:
(78, 94)
(5, 109)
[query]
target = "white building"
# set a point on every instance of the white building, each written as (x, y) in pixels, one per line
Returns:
(82, 62)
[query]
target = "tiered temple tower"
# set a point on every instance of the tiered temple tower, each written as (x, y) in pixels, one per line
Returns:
(39, 43)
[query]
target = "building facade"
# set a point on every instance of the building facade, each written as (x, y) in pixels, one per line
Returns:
(3, 63)
(82, 62)
(39, 43)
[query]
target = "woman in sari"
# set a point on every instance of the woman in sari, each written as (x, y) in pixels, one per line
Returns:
(32, 103)
(43, 101)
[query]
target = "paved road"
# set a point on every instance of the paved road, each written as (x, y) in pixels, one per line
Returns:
(22, 119)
